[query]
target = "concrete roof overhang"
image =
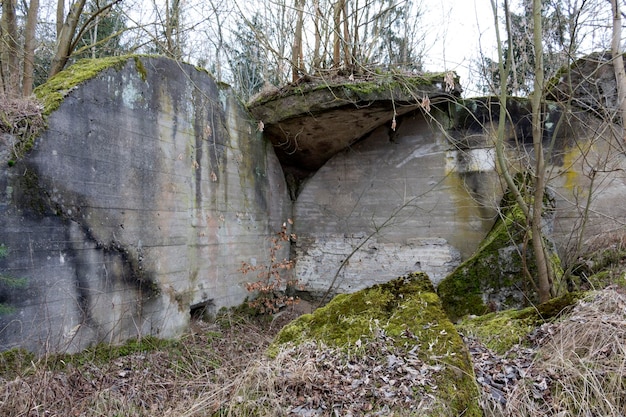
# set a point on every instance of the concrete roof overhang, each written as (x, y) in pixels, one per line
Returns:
(311, 121)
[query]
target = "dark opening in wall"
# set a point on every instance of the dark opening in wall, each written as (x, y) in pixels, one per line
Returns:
(203, 310)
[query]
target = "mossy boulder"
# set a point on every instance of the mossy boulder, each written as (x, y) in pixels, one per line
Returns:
(405, 306)
(499, 276)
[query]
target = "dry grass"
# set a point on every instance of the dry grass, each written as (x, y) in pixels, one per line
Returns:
(220, 369)
(580, 365)
(165, 381)
(21, 119)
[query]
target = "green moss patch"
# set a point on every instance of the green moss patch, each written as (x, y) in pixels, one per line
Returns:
(490, 269)
(500, 331)
(408, 312)
(499, 275)
(52, 92)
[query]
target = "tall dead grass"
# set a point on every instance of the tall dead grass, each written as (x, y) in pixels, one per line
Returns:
(580, 367)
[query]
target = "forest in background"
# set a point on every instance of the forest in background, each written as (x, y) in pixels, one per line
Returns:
(252, 45)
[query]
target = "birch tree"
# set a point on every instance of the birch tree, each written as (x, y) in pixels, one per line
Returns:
(618, 60)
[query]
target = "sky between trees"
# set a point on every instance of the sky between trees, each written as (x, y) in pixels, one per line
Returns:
(254, 44)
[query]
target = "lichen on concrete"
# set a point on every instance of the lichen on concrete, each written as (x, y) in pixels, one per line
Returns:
(405, 306)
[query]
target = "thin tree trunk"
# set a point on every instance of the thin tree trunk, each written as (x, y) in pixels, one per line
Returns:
(544, 279)
(64, 40)
(29, 48)
(94, 37)
(338, 8)
(618, 62)
(504, 69)
(10, 62)
(296, 50)
(346, 36)
(317, 57)
(60, 16)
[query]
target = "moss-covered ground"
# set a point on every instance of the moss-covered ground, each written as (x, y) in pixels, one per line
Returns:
(501, 330)
(405, 306)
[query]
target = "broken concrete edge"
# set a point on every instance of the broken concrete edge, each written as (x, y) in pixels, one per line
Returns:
(408, 312)
(307, 98)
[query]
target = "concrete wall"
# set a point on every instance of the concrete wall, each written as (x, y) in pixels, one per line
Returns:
(141, 199)
(393, 203)
(151, 185)
(423, 197)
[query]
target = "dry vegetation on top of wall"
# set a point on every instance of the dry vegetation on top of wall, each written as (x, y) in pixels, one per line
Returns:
(20, 121)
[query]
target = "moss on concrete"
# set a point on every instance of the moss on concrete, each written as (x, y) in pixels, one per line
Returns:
(386, 86)
(52, 93)
(500, 331)
(406, 305)
(462, 292)
(498, 276)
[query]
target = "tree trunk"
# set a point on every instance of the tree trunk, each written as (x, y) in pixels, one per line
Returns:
(296, 50)
(532, 217)
(544, 279)
(60, 16)
(317, 57)
(618, 63)
(29, 48)
(338, 8)
(9, 48)
(64, 40)
(347, 55)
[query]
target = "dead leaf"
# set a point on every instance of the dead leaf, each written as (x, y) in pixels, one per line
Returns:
(426, 104)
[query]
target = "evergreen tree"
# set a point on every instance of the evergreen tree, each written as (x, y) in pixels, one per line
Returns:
(103, 32)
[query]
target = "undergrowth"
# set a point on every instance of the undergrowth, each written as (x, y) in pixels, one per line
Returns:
(273, 278)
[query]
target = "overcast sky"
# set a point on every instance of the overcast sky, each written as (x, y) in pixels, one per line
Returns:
(457, 31)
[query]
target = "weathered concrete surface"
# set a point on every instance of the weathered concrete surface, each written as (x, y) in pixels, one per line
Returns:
(422, 198)
(140, 201)
(589, 84)
(310, 122)
(386, 207)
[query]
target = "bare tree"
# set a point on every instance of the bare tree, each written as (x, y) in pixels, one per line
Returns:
(534, 210)
(29, 48)
(10, 49)
(618, 60)
(544, 271)
(65, 35)
(18, 48)
(297, 58)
